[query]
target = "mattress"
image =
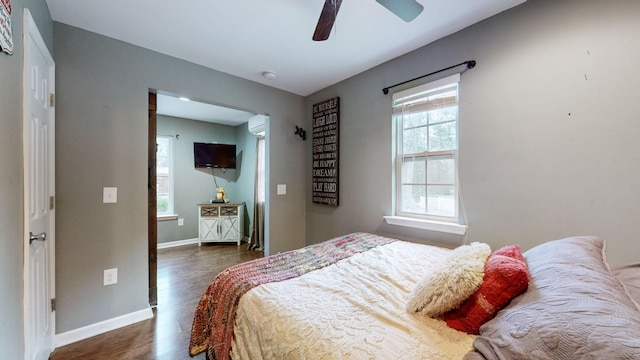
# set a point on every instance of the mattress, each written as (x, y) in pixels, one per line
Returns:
(352, 309)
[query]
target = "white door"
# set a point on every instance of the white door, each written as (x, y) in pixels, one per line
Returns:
(39, 189)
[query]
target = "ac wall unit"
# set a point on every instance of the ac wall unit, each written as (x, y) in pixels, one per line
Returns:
(258, 125)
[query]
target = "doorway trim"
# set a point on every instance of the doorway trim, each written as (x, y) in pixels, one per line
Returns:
(152, 202)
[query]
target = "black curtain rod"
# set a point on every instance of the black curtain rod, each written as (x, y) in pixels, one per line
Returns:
(470, 65)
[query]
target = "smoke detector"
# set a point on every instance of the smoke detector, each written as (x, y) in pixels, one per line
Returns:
(269, 75)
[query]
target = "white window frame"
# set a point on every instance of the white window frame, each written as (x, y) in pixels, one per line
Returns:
(447, 224)
(169, 214)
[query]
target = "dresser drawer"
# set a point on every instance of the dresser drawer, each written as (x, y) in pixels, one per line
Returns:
(228, 211)
(209, 211)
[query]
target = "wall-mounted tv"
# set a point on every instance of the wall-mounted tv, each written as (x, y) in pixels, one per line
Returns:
(221, 156)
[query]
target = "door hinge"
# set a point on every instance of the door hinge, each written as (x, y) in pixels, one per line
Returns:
(53, 305)
(52, 202)
(52, 100)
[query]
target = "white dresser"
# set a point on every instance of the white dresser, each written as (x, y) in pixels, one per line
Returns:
(220, 222)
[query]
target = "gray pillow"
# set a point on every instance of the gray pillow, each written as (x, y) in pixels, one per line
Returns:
(574, 308)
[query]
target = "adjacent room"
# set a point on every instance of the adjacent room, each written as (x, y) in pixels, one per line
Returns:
(187, 176)
(374, 149)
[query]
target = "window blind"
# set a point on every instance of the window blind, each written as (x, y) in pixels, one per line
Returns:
(434, 95)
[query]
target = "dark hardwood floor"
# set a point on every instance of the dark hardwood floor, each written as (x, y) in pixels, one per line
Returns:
(183, 275)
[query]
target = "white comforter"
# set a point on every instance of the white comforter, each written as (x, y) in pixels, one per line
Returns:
(354, 309)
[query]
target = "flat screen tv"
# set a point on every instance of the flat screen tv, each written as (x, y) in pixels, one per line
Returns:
(221, 156)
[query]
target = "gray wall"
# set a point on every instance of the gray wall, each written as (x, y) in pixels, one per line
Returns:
(102, 87)
(11, 179)
(548, 129)
(194, 186)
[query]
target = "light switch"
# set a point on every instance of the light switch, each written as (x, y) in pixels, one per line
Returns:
(282, 189)
(110, 195)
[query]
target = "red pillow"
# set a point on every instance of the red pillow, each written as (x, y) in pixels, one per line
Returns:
(505, 276)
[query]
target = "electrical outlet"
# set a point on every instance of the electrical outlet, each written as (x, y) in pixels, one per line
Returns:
(180, 222)
(110, 277)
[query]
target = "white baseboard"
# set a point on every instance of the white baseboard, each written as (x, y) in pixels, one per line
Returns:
(86, 332)
(170, 244)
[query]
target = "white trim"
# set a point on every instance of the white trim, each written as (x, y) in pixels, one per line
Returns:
(86, 332)
(433, 225)
(166, 217)
(170, 244)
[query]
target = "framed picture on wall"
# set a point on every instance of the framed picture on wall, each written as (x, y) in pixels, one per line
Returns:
(326, 144)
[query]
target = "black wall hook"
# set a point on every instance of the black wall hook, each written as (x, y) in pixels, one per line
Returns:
(300, 131)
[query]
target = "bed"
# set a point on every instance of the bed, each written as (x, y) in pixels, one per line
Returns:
(364, 296)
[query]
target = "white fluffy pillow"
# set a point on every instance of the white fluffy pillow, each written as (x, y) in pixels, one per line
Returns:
(450, 282)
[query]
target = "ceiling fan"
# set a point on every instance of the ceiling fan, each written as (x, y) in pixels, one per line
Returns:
(407, 10)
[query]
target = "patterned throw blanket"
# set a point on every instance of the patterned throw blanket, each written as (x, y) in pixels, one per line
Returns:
(212, 328)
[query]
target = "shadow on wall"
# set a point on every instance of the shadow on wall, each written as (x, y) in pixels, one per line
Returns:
(231, 175)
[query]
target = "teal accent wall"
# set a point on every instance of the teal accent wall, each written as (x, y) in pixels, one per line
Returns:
(194, 186)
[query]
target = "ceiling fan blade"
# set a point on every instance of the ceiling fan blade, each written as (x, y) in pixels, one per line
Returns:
(326, 20)
(406, 10)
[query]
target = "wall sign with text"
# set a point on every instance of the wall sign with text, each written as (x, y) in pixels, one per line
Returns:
(6, 34)
(326, 141)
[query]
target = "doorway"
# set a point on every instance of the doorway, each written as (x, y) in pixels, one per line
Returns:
(178, 124)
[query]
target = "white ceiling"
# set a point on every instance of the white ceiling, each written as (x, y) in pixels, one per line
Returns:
(172, 105)
(245, 38)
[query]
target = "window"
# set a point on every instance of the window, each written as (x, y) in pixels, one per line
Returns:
(426, 150)
(164, 175)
